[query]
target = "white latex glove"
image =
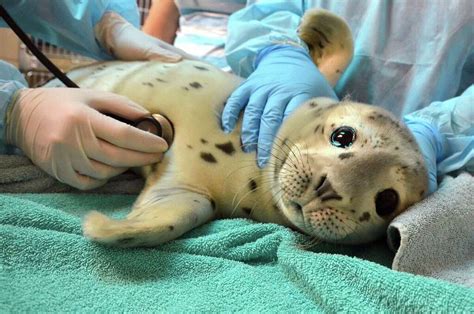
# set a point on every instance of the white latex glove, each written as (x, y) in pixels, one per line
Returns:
(63, 131)
(126, 42)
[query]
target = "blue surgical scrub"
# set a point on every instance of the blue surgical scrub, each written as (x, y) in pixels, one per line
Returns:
(414, 58)
(67, 24)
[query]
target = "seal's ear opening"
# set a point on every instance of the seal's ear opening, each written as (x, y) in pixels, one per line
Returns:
(329, 40)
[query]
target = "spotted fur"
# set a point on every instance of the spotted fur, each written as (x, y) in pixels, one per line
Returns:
(309, 185)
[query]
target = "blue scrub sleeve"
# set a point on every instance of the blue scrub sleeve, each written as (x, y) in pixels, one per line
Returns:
(11, 80)
(453, 119)
(68, 24)
(258, 26)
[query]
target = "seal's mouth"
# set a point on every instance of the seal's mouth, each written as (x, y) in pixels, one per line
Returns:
(324, 222)
(329, 223)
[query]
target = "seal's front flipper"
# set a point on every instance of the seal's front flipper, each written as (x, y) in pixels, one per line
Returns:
(160, 215)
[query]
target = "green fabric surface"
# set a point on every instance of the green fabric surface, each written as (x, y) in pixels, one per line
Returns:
(228, 265)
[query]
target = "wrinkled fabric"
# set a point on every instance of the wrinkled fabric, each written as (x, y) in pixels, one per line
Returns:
(203, 28)
(68, 24)
(10, 81)
(408, 56)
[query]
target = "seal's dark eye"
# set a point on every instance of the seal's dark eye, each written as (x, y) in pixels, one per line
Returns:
(343, 137)
(386, 202)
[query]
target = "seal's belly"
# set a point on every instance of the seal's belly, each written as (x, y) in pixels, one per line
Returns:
(192, 95)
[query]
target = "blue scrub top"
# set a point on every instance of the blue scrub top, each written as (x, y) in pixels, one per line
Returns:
(67, 24)
(414, 58)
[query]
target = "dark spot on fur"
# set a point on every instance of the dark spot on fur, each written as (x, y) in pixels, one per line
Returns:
(321, 34)
(371, 117)
(208, 157)
(247, 210)
(316, 128)
(189, 146)
(365, 217)
(276, 208)
(204, 141)
(332, 125)
(338, 71)
(353, 211)
(346, 155)
(161, 80)
(148, 84)
(196, 201)
(213, 204)
(252, 185)
(185, 88)
(422, 192)
(200, 68)
(125, 241)
(313, 104)
(227, 148)
(396, 148)
(171, 228)
(195, 85)
(322, 130)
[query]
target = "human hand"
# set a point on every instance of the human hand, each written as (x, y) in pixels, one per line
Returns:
(284, 78)
(126, 42)
(63, 131)
(431, 145)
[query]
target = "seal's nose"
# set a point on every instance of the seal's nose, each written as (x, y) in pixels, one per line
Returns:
(325, 191)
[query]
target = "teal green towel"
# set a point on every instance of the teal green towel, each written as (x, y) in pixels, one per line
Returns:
(229, 265)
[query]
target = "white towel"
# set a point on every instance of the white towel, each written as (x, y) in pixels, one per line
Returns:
(435, 237)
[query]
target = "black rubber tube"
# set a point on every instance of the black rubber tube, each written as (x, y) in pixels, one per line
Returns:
(38, 54)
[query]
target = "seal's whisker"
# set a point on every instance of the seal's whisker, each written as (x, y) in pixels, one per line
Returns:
(266, 150)
(279, 146)
(256, 178)
(289, 148)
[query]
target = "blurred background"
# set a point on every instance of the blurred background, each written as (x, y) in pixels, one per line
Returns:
(15, 52)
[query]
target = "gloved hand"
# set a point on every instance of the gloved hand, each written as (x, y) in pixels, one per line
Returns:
(63, 131)
(431, 145)
(126, 42)
(284, 78)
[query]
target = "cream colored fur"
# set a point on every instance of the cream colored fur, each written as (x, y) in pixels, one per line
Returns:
(309, 185)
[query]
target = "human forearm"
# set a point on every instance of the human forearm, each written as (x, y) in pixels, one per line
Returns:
(445, 130)
(162, 21)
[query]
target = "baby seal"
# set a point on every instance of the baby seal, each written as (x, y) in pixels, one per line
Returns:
(339, 171)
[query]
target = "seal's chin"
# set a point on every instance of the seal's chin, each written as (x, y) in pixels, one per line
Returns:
(325, 223)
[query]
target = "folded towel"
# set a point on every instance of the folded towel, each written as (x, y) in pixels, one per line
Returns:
(19, 175)
(436, 236)
(46, 265)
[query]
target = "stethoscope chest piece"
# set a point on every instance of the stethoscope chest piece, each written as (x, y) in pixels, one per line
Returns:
(158, 125)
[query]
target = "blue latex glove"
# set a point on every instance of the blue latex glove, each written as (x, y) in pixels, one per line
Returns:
(284, 78)
(431, 145)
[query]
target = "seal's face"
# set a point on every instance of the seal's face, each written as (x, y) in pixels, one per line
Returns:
(342, 171)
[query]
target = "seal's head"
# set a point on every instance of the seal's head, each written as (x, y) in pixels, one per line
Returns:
(342, 170)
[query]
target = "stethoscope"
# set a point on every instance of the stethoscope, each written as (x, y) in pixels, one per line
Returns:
(156, 124)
